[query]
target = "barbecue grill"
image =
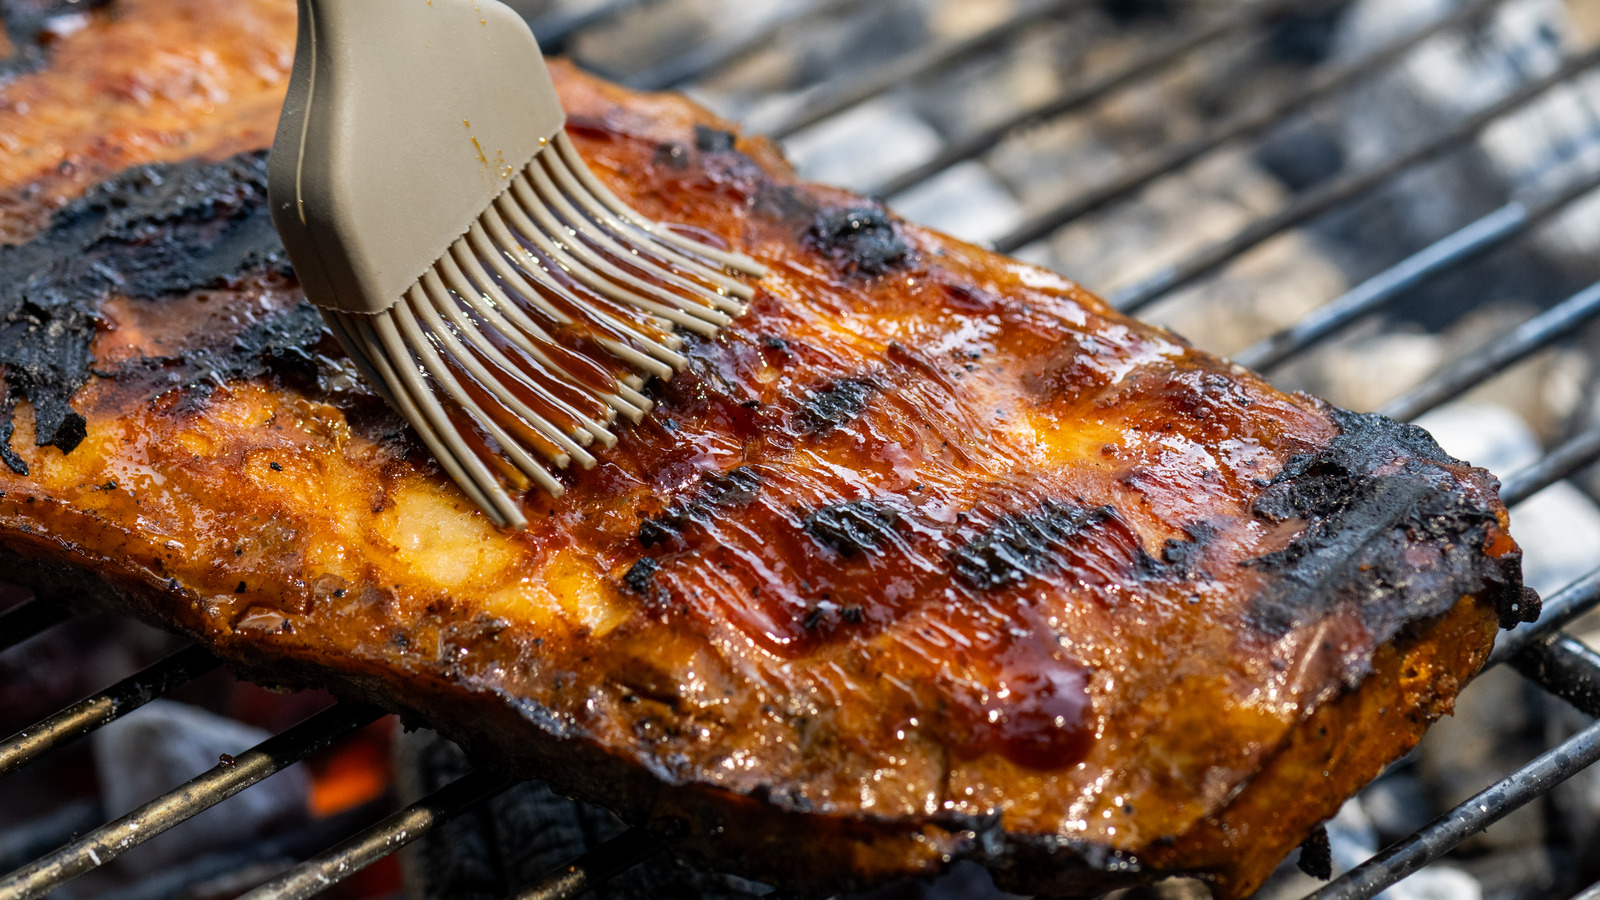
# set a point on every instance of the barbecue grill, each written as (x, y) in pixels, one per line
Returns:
(1188, 34)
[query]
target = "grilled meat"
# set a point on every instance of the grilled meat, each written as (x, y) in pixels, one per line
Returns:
(931, 556)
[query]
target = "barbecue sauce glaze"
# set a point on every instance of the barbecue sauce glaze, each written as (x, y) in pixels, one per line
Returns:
(930, 555)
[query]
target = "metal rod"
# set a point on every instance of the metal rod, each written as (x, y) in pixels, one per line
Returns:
(914, 66)
(1559, 463)
(367, 847)
(29, 618)
(1475, 240)
(599, 865)
(700, 61)
(1151, 61)
(114, 702)
(206, 790)
(1247, 124)
(1483, 810)
(1567, 668)
(1558, 609)
(1536, 333)
(1317, 202)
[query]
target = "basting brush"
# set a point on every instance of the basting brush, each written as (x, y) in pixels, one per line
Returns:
(491, 288)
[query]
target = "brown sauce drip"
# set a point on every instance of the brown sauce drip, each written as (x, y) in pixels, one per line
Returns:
(1036, 714)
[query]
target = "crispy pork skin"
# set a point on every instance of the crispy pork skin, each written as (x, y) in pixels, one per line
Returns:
(932, 555)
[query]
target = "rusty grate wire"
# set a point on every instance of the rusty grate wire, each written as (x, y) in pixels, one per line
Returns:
(1540, 651)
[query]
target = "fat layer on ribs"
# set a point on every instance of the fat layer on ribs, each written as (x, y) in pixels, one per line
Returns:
(931, 555)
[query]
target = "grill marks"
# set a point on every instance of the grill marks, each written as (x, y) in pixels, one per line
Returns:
(851, 528)
(834, 406)
(796, 576)
(718, 491)
(1023, 545)
(151, 232)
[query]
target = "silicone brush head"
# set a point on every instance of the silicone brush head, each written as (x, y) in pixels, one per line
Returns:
(501, 298)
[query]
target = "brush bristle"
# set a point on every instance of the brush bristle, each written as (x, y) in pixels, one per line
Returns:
(521, 345)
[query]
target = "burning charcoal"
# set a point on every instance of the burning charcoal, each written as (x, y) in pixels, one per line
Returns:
(521, 835)
(166, 743)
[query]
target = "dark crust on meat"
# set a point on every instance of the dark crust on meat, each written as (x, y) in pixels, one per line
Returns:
(926, 525)
(1378, 490)
(150, 232)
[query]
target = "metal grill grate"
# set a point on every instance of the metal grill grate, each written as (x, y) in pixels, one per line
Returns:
(1541, 651)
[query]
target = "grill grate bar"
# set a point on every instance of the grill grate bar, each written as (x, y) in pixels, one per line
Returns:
(197, 795)
(1560, 608)
(1317, 202)
(21, 622)
(598, 866)
(701, 61)
(1577, 453)
(1557, 661)
(114, 702)
(553, 30)
(1484, 809)
(1485, 235)
(372, 844)
(1566, 667)
(1162, 56)
(1245, 125)
(915, 65)
(1535, 334)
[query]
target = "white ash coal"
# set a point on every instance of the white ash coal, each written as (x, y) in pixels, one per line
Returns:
(234, 846)
(155, 749)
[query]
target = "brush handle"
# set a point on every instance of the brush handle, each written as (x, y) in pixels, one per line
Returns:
(404, 119)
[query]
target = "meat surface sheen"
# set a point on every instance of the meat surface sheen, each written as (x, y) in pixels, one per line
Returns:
(932, 555)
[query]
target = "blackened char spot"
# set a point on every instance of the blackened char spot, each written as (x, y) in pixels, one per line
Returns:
(26, 23)
(641, 574)
(279, 343)
(717, 490)
(713, 140)
(1181, 556)
(1021, 546)
(834, 406)
(150, 232)
(7, 455)
(859, 239)
(849, 528)
(1316, 855)
(725, 490)
(1399, 547)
